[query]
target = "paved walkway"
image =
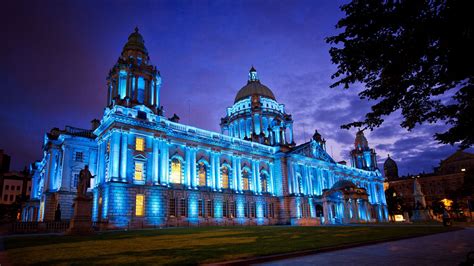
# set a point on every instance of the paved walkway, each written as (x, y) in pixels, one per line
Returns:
(440, 249)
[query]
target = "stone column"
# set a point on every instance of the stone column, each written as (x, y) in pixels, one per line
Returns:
(239, 174)
(218, 172)
(187, 173)
(195, 182)
(270, 169)
(123, 159)
(155, 162)
(164, 159)
(257, 175)
(114, 155)
(214, 176)
(234, 173)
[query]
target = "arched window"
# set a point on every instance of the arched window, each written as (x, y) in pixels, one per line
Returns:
(264, 182)
(245, 180)
(176, 173)
(202, 174)
(225, 176)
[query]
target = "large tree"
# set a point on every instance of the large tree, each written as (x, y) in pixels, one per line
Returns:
(411, 55)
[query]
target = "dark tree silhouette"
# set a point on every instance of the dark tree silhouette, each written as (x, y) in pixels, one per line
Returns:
(413, 56)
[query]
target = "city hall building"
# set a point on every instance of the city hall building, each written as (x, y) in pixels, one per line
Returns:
(154, 171)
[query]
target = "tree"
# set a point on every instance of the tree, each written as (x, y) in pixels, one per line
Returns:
(413, 56)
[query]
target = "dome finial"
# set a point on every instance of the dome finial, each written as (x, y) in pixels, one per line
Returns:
(136, 29)
(253, 74)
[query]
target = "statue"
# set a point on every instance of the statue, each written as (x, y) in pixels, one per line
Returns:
(81, 222)
(84, 182)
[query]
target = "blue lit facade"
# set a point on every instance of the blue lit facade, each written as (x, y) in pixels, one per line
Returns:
(151, 171)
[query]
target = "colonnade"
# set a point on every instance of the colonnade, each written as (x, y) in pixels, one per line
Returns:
(157, 161)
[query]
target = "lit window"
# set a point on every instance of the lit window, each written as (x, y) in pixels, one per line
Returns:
(225, 177)
(140, 144)
(245, 180)
(176, 171)
(139, 204)
(138, 171)
(264, 183)
(202, 175)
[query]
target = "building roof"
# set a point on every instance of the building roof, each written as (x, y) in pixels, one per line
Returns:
(254, 87)
(136, 42)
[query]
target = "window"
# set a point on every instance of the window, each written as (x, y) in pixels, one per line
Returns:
(172, 207)
(246, 210)
(209, 208)
(200, 208)
(245, 180)
(75, 179)
(5, 198)
(7, 187)
(263, 182)
(232, 207)
(182, 207)
(139, 144)
(225, 177)
(224, 209)
(11, 197)
(176, 171)
(253, 209)
(139, 199)
(138, 171)
(78, 157)
(17, 187)
(202, 174)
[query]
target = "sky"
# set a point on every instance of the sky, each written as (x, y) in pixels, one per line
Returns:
(56, 56)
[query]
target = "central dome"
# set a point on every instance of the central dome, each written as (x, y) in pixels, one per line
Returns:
(254, 87)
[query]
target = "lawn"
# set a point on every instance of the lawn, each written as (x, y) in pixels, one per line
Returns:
(194, 245)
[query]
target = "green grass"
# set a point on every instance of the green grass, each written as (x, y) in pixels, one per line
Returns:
(194, 245)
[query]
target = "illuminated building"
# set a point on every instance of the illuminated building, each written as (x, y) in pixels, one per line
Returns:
(154, 171)
(440, 185)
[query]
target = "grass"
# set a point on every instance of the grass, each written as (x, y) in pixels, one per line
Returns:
(194, 245)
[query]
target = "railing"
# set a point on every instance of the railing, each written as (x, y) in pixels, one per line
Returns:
(39, 227)
(79, 132)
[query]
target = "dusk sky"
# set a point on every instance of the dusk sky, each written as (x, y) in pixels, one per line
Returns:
(56, 56)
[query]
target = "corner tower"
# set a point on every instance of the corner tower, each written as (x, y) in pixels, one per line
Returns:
(132, 80)
(257, 116)
(362, 156)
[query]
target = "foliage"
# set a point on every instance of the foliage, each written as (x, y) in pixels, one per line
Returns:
(413, 56)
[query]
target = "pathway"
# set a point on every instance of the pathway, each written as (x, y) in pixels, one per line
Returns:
(439, 249)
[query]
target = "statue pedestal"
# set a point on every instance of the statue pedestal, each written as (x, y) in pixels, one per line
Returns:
(421, 216)
(81, 222)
